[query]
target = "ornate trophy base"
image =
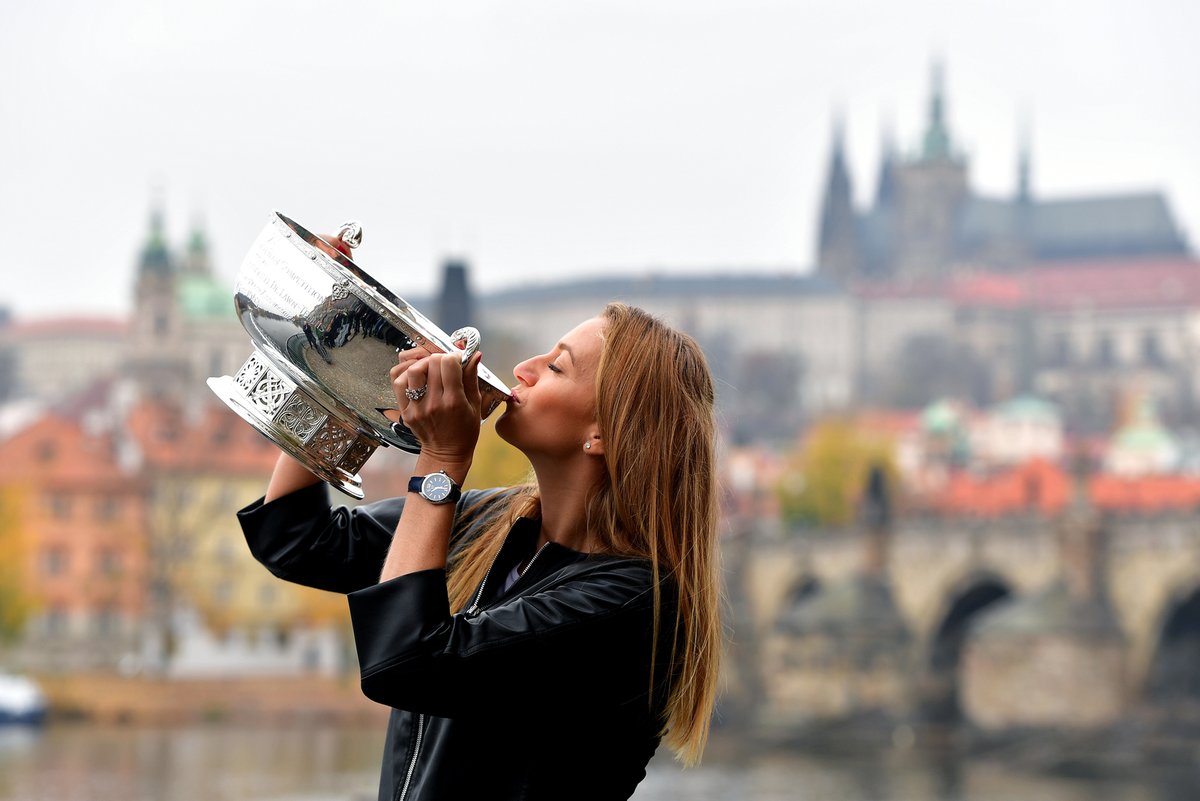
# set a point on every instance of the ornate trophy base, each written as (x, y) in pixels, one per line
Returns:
(291, 418)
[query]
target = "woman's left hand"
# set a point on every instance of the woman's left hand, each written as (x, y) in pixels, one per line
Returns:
(446, 417)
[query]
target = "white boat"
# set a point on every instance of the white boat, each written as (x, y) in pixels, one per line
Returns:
(21, 701)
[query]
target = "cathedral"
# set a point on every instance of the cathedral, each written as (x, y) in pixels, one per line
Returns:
(926, 223)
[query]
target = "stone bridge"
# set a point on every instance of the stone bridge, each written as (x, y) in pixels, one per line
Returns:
(1026, 621)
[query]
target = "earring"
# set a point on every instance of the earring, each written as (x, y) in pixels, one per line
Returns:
(587, 446)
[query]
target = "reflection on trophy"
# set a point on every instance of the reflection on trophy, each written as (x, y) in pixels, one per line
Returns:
(325, 335)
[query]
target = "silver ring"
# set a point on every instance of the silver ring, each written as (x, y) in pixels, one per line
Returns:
(416, 394)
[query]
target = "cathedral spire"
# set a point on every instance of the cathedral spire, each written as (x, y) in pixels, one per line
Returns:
(885, 187)
(936, 144)
(1024, 168)
(837, 246)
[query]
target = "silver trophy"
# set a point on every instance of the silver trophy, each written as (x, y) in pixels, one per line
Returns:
(325, 335)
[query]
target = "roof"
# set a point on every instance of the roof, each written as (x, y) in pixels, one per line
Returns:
(1114, 224)
(1149, 284)
(1165, 283)
(728, 284)
(67, 326)
(1028, 407)
(1076, 228)
(203, 297)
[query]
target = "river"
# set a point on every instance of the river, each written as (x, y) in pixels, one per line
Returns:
(86, 763)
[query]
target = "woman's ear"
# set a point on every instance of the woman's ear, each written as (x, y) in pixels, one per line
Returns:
(594, 445)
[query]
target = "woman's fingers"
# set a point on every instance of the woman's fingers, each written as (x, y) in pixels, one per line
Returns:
(470, 379)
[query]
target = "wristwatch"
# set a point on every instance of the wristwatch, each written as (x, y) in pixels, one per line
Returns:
(436, 487)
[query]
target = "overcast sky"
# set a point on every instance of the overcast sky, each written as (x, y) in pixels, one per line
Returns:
(548, 139)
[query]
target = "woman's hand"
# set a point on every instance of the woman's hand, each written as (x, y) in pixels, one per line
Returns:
(445, 417)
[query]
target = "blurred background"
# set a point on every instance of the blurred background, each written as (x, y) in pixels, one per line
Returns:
(939, 256)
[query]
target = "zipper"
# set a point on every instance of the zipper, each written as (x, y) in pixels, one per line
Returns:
(412, 766)
(474, 608)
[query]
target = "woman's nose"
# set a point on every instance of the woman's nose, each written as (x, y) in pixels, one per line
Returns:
(525, 373)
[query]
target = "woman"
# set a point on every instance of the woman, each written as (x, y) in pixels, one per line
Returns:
(533, 642)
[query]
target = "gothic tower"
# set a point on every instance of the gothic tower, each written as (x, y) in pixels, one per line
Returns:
(837, 243)
(931, 193)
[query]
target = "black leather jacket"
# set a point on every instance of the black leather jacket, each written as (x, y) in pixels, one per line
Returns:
(537, 692)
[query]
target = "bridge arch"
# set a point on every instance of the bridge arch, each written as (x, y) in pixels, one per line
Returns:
(940, 675)
(1173, 677)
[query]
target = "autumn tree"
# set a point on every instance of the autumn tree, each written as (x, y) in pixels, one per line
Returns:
(825, 478)
(15, 603)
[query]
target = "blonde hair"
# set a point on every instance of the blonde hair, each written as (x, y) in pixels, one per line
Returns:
(658, 501)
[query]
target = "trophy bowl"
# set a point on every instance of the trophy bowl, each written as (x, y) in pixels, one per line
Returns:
(325, 334)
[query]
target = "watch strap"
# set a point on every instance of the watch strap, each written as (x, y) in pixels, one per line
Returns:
(416, 483)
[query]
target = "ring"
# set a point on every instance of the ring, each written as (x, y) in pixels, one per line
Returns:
(415, 394)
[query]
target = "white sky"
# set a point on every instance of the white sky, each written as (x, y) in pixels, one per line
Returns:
(548, 139)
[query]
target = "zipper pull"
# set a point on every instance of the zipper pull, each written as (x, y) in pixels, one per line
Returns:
(473, 611)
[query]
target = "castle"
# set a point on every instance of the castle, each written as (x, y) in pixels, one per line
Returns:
(927, 223)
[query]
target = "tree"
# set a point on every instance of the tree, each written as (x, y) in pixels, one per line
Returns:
(827, 475)
(15, 603)
(496, 463)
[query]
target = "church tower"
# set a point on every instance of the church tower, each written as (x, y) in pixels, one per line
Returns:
(456, 307)
(931, 193)
(837, 241)
(155, 328)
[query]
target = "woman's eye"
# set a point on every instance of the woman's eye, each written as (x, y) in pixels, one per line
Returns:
(554, 368)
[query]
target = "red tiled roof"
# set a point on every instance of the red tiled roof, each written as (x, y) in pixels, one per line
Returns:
(1139, 284)
(1156, 284)
(69, 326)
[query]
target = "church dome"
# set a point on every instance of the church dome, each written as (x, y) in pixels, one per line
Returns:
(201, 297)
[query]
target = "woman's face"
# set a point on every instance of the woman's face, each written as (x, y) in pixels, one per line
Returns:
(553, 409)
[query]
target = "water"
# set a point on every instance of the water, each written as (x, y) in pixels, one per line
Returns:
(84, 763)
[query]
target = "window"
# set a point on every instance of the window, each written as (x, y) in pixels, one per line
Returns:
(1060, 351)
(60, 505)
(1152, 354)
(55, 621)
(108, 508)
(54, 561)
(1106, 351)
(106, 621)
(108, 562)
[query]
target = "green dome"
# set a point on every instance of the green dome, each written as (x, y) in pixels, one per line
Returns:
(1029, 408)
(155, 257)
(202, 298)
(940, 418)
(1144, 433)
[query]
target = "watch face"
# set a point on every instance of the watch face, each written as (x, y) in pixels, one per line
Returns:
(436, 487)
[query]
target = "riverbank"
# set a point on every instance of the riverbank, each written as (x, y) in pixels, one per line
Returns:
(113, 699)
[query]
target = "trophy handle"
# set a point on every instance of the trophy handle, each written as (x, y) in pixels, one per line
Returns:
(351, 232)
(469, 336)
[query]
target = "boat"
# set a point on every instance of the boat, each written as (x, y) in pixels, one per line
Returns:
(21, 701)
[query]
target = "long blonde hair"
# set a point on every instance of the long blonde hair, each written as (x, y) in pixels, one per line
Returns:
(658, 501)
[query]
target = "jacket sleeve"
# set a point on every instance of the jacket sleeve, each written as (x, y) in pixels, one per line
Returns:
(301, 538)
(587, 638)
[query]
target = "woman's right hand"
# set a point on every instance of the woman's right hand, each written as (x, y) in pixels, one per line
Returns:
(445, 417)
